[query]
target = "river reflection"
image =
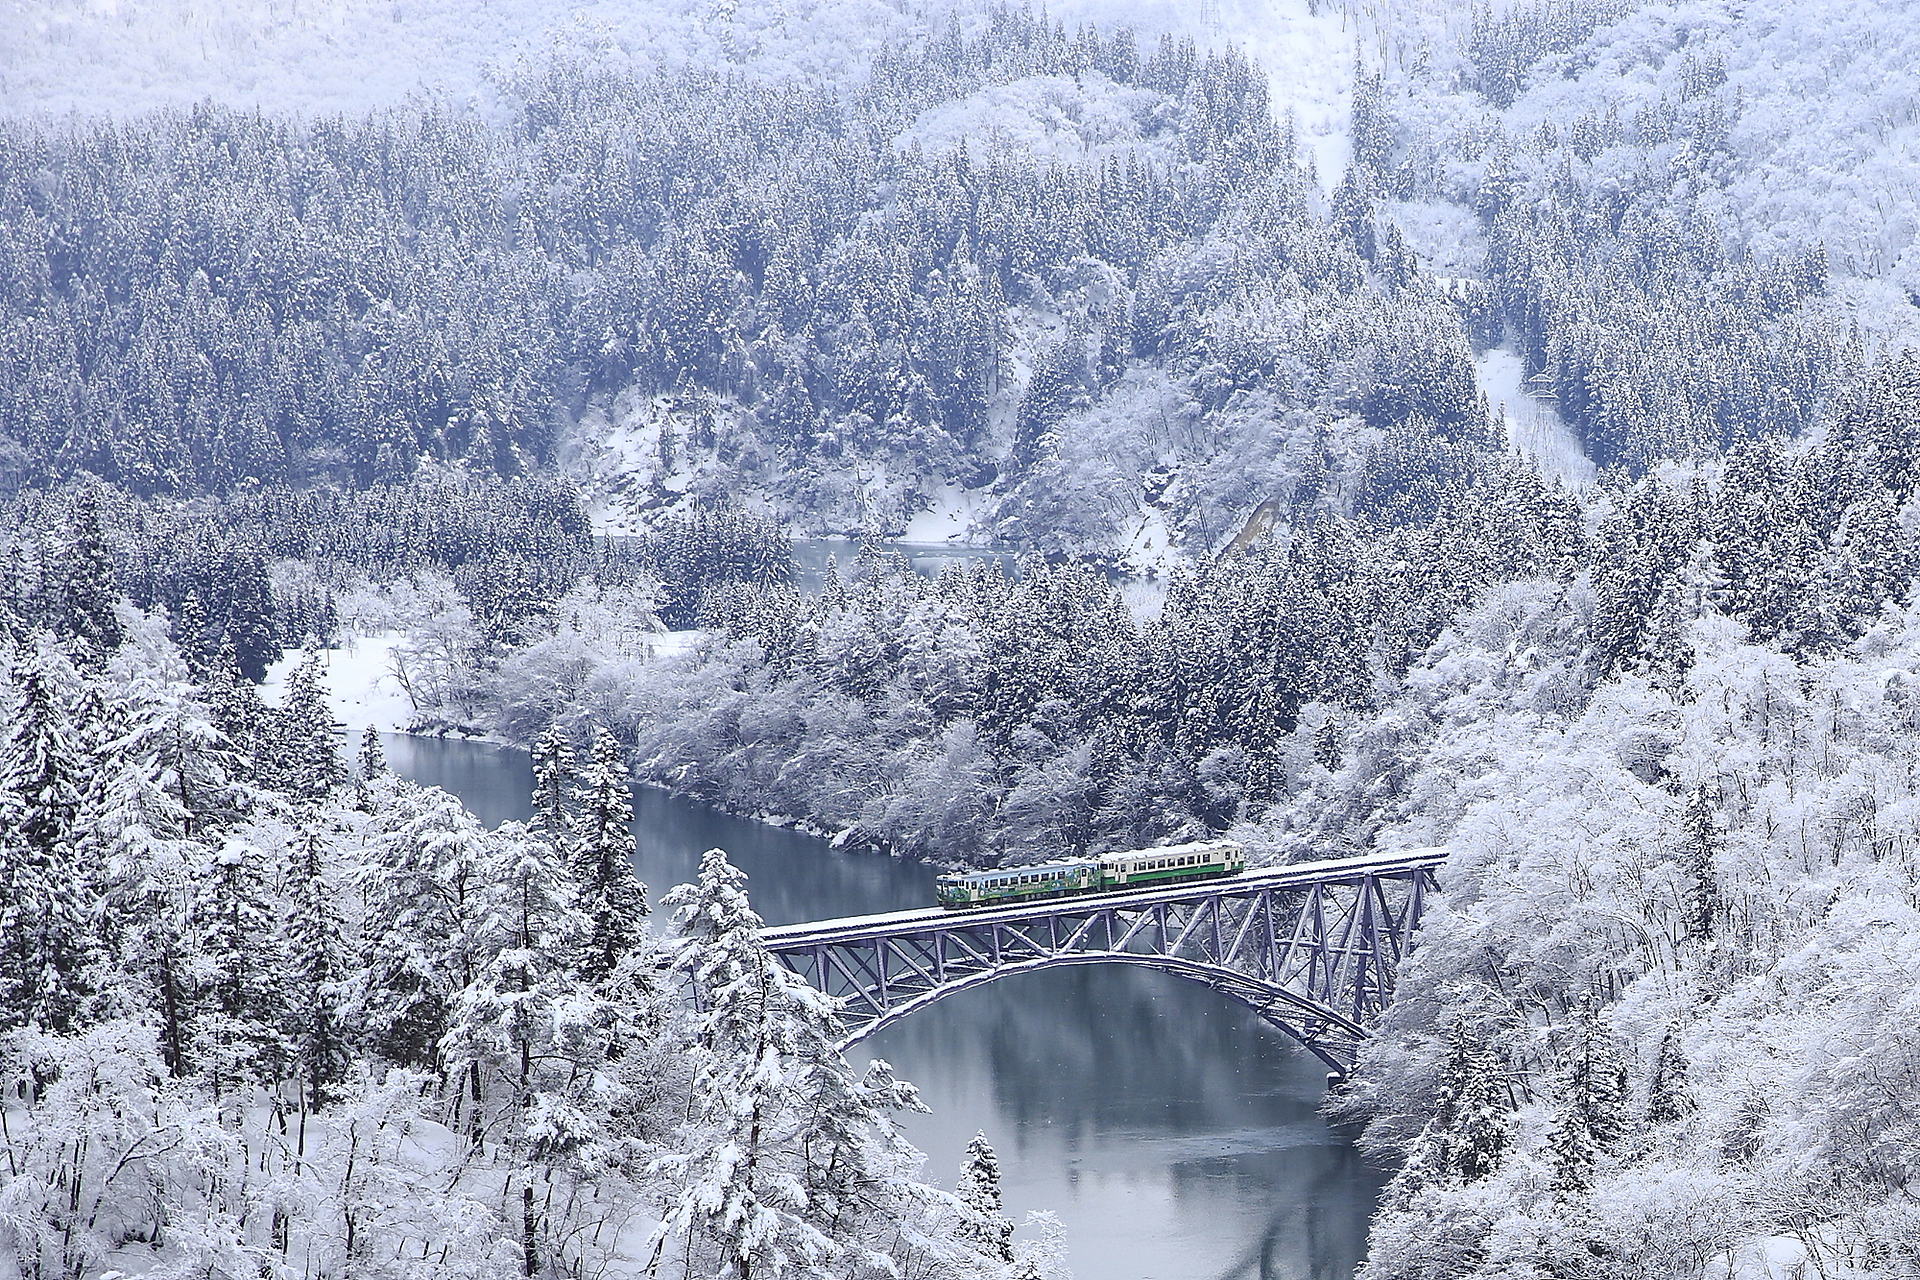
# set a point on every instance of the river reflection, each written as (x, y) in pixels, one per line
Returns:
(1175, 1135)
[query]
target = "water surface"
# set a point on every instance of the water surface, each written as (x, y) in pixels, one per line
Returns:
(1175, 1135)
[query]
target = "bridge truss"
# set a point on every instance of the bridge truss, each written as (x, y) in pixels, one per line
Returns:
(1312, 948)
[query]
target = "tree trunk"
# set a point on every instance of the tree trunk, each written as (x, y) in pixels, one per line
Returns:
(527, 1229)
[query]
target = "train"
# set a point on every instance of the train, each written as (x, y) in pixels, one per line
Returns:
(1171, 864)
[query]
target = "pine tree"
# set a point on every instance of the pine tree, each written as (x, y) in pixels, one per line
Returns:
(306, 760)
(237, 709)
(420, 891)
(44, 897)
(1669, 1095)
(1483, 1117)
(1372, 128)
(191, 634)
(81, 586)
(1590, 1120)
(790, 1160)
(1571, 1151)
(611, 895)
(137, 832)
(525, 1037)
(1699, 845)
(987, 1226)
(554, 789)
(373, 758)
(166, 785)
(240, 1036)
(735, 1200)
(248, 632)
(169, 732)
(1471, 1126)
(318, 964)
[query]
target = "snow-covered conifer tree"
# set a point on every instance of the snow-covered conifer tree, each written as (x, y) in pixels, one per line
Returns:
(44, 895)
(170, 732)
(166, 785)
(80, 586)
(1700, 844)
(1471, 1126)
(525, 1036)
(525, 940)
(736, 1205)
(1589, 1119)
(319, 962)
(235, 704)
(789, 1162)
(418, 883)
(306, 762)
(372, 758)
(987, 1226)
(1669, 1093)
(553, 788)
(1571, 1150)
(241, 1038)
(611, 895)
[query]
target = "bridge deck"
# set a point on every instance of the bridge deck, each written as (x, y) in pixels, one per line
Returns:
(896, 923)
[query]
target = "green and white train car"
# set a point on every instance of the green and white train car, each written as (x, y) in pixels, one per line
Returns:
(1201, 860)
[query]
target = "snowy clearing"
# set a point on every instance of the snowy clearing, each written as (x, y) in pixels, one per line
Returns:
(952, 519)
(362, 689)
(1534, 429)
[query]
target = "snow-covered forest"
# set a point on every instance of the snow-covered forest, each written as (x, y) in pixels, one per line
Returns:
(265, 1016)
(532, 387)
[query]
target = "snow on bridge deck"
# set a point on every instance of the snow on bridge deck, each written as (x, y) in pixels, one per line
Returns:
(1293, 875)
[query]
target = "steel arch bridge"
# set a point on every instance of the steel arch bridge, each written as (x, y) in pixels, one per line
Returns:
(1312, 948)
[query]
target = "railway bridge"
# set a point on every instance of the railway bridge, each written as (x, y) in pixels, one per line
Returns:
(1311, 948)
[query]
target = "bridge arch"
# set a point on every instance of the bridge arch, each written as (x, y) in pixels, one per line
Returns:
(1264, 999)
(1311, 948)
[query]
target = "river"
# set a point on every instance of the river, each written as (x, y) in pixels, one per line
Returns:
(1175, 1135)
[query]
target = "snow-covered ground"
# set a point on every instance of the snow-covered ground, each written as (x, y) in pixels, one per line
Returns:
(1770, 1258)
(621, 460)
(362, 688)
(951, 518)
(325, 56)
(1534, 429)
(335, 56)
(1309, 63)
(1308, 57)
